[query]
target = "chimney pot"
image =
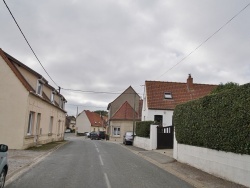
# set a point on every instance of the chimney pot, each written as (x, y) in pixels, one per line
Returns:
(190, 82)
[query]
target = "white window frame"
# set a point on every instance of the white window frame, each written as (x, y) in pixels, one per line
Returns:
(117, 131)
(39, 89)
(58, 130)
(61, 103)
(52, 97)
(38, 121)
(51, 124)
(168, 95)
(31, 123)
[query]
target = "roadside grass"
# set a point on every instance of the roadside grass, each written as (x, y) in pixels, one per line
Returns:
(47, 146)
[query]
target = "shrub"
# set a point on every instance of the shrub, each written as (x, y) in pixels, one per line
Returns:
(219, 121)
(143, 128)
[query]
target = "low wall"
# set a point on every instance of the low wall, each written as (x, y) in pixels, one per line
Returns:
(147, 143)
(227, 165)
(141, 142)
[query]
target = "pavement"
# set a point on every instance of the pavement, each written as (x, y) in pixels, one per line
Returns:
(21, 160)
(163, 158)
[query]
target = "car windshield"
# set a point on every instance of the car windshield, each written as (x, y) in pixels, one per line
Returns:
(129, 134)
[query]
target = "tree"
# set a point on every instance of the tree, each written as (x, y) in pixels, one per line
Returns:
(101, 112)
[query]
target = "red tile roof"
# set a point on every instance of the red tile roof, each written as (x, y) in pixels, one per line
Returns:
(95, 119)
(125, 112)
(181, 93)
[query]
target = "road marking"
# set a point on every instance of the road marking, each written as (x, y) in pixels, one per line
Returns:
(97, 150)
(100, 157)
(107, 180)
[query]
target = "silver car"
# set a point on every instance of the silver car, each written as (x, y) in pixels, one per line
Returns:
(3, 164)
(128, 138)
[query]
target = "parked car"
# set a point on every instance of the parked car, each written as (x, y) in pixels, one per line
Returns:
(93, 136)
(101, 134)
(3, 164)
(67, 131)
(128, 138)
(86, 134)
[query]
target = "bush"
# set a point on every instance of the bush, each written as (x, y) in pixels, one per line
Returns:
(219, 121)
(143, 128)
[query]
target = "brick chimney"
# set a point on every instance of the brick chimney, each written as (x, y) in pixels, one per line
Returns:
(190, 82)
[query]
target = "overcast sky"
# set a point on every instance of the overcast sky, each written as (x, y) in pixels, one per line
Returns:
(108, 45)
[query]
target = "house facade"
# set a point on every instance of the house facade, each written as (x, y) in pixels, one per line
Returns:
(88, 121)
(160, 98)
(32, 111)
(124, 111)
(70, 123)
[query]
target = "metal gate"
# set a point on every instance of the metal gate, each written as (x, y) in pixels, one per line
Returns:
(165, 137)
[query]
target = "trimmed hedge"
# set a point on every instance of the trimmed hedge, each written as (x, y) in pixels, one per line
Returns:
(218, 121)
(143, 128)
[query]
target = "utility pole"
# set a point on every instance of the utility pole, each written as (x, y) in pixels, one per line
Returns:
(134, 119)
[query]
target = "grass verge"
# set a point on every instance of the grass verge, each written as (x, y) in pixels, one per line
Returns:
(47, 146)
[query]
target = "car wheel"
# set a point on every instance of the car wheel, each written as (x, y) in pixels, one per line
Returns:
(2, 178)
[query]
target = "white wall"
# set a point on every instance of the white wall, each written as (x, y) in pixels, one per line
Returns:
(227, 165)
(166, 115)
(142, 142)
(82, 123)
(147, 143)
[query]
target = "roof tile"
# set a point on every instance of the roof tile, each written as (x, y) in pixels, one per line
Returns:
(180, 93)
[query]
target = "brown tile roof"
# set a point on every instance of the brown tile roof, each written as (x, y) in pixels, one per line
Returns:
(125, 112)
(95, 119)
(181, 93)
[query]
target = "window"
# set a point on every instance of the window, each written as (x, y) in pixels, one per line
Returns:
(158, 119)
(58, 130)
(38, 119)
(52, 97)
(31, 123)
(62, 103)
(39, 89)
(116, 131)
(51, 124)
(168, 95)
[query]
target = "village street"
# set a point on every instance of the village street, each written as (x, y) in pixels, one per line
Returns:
(95, 163)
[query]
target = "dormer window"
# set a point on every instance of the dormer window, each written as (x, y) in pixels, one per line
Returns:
(52, 97)
(62, 103)
(168, 95)
(39, 89)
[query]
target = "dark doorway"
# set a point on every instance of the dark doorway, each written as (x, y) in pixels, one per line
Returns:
(158, 119)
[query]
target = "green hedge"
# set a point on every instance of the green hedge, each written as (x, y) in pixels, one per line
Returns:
(143, 128)
(218, 121)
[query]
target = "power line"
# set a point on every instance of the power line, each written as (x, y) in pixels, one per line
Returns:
(206, 40)
(82, 91)
(96, 92)
(85, 106)
(28, 42)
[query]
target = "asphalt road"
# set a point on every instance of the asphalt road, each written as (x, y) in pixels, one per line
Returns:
(95, 164)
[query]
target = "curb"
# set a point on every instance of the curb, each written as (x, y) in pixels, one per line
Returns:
(16, 173)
